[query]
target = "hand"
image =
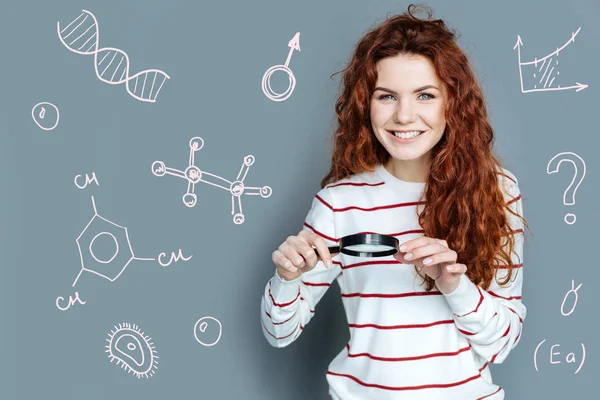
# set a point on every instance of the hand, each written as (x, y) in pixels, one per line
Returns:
(442, 268)
(296, 255)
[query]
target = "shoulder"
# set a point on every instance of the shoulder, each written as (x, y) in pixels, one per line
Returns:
(512, 194)
(507, 176)
(508, 182)
(359, 180)
(351, 186)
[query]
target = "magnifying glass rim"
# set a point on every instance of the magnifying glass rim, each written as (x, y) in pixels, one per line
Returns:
(369, 238)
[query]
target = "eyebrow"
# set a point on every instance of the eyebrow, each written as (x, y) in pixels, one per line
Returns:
(416, 90)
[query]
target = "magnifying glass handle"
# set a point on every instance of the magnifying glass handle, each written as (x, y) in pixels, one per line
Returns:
(332, 250)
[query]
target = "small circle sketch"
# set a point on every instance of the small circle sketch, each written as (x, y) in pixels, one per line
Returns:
(200, 327)
(266, 83)
(45, 115)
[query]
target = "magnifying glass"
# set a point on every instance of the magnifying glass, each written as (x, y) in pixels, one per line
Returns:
(366, 245)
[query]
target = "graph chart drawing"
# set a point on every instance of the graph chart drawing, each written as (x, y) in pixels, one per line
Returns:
(542, 74)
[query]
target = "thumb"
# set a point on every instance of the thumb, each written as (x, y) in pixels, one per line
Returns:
(400, 256)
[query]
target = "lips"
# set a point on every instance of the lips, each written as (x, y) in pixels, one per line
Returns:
(406, 139)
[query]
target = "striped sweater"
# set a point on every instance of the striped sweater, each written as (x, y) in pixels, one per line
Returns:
(405, 343)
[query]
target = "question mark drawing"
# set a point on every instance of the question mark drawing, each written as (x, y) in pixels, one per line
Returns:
(569, 194)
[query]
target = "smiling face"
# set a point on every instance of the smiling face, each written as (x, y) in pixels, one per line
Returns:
(408, 98)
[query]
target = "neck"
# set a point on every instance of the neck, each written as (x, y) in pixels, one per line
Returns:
(415, 171)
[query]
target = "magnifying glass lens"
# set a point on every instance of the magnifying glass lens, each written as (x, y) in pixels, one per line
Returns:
(366, 245)
(369, 248)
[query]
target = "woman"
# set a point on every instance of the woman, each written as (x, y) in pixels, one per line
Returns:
(412, 158)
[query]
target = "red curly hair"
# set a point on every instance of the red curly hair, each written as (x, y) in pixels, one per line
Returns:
(464, 203)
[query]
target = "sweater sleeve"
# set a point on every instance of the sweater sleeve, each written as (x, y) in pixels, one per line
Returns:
(492, 320)
(288, 306)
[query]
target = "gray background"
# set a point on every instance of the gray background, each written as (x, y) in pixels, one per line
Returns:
(216, 54)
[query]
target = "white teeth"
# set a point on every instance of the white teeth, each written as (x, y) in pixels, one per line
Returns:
(407, 135)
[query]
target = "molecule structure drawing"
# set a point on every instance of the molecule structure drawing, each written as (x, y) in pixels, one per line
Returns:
(293, 44)
(107, 269)
(133, 350)
(195, 175)
(110, 268)
(541, 73)
(81, 36)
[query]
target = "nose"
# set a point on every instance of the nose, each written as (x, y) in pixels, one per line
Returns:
(404, 113)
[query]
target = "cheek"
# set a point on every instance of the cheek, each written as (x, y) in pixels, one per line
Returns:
(379, 115)
(436, 117)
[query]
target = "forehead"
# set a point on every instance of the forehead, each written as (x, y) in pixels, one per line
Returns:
(406, 71)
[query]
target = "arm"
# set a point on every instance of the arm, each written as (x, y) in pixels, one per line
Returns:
(288, 306)
(492, 320)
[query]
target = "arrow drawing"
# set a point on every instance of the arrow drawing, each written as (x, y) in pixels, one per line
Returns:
(548, 69)
(293, 44)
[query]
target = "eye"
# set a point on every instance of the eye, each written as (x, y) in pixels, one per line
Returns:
(133, 350)
(384, 96)
(427, 94)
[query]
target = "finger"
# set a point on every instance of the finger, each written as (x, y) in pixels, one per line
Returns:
(456, 268)
(281, 260)
(419, 252)
(443, 243)
(322, 250)
(431, 270)
(409, 245)
(288, 248)
(307, 252)
(439, 259)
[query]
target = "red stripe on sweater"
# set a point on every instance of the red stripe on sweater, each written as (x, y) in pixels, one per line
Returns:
(280, 323)
(520, 319)
(505, 298)
(335, 240)
(474, 333)
(506, 266)
(283, 304)
(399, 233)
(429, 386)
(514, 199)
(384, 262)
(392, 295)
(410, 326)
(356, 184)
(503, 174)
(324, 202)
(316, 284)
(324, 236)
(387, 206)
(364, 263)
(412, 358)
(275, 337)
(496, 355)
(478, 304)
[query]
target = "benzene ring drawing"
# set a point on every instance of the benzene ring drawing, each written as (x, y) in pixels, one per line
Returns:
(195, 175)
(548, 70)
(133, 350)
(294, 44)
(114, 266)
(111, 64)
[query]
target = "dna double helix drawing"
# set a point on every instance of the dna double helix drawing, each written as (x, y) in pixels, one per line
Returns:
(81, 36)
